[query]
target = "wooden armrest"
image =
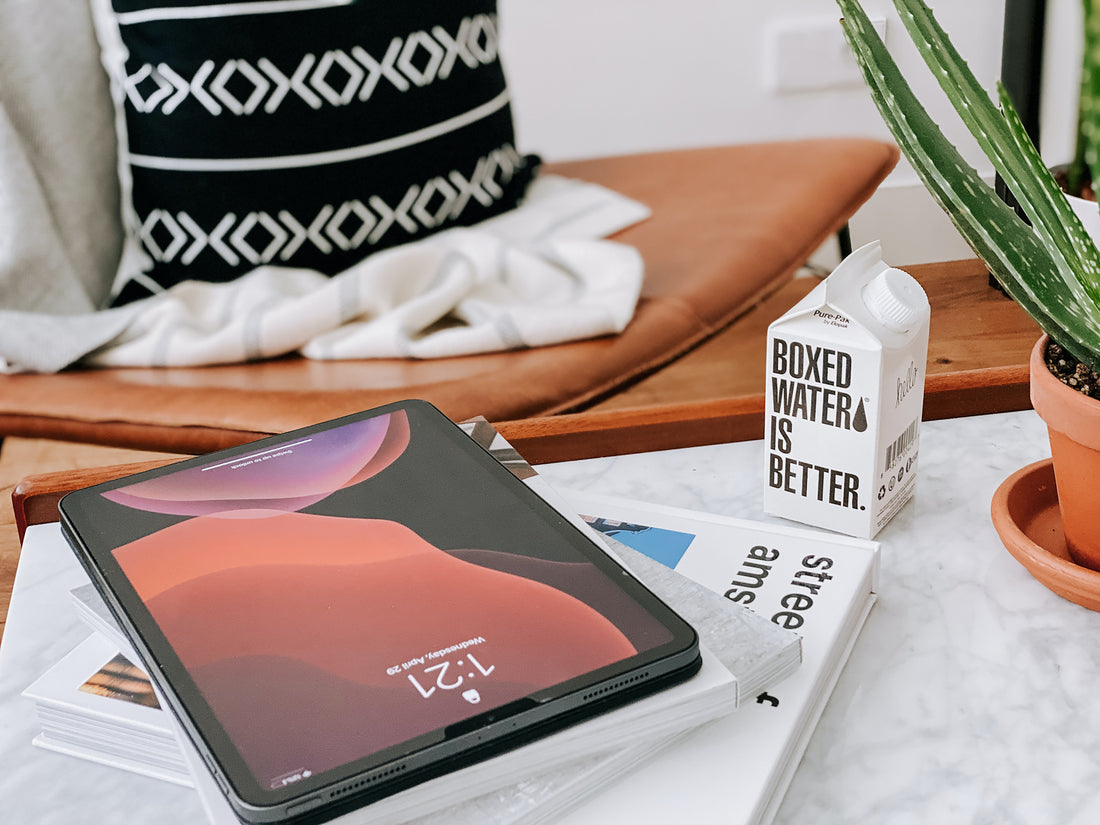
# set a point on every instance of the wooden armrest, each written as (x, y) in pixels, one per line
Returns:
(35, 498)
(605, 433)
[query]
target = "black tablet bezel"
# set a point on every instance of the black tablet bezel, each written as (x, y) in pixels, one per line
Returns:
(327, 794)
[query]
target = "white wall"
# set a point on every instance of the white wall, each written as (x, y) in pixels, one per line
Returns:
(594, 77)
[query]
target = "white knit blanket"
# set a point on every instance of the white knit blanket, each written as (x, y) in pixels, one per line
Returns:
(534, 276)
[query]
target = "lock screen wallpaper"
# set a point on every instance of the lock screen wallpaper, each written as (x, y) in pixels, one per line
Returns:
(354, 589)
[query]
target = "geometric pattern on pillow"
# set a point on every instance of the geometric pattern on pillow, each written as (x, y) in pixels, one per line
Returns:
(305, 133)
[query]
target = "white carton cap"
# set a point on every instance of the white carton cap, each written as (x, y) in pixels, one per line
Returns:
(894, 299)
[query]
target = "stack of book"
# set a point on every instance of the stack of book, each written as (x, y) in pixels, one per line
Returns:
(95, 703)
(777, 610)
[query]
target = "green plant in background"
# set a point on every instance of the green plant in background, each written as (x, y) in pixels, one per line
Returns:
(1051, 268)
(1088, 114)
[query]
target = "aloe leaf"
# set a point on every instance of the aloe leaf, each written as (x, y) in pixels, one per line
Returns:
(1011, 152)
(1082, 281)
(996, 234)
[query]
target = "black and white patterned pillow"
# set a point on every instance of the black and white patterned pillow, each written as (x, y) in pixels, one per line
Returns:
(306, 133)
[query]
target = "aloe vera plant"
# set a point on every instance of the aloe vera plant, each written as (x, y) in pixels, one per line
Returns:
(1087, 152)
(1052, 267)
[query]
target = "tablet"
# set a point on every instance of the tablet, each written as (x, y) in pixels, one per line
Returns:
(346, 610)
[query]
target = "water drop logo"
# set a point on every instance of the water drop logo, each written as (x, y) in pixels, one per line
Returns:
(859, 420)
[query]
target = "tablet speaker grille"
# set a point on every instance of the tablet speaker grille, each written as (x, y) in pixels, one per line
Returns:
(367, 781)
(596, 694)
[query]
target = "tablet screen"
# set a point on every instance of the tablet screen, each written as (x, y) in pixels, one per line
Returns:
(340, 597)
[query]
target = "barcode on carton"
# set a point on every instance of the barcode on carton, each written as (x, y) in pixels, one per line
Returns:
(901, 445)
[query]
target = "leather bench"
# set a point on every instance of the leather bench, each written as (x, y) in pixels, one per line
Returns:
(729, 226)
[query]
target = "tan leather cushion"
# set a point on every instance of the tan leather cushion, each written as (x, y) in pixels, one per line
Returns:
(729, 225)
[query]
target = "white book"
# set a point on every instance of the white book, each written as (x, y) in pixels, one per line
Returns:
(95, 703)
(95, 613)
(822, 585)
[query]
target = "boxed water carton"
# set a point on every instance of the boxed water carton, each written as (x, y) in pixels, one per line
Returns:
(845, 391)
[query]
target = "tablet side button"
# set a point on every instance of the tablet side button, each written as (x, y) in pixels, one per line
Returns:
(214, 772)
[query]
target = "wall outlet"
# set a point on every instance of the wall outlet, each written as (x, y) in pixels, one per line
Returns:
(808, 55)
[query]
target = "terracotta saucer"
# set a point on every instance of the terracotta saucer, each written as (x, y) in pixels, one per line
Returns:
(1026, 515)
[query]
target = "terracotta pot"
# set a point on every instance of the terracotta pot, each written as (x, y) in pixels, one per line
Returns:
(1073, 424)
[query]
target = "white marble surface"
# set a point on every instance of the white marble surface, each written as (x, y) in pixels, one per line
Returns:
(972, 694)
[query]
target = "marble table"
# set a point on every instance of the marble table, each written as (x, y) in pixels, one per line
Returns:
(969, 695)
